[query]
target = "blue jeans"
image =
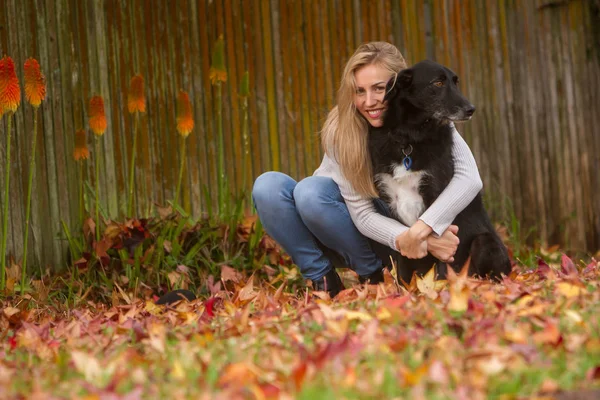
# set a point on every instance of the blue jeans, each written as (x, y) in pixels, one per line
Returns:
(310, 220)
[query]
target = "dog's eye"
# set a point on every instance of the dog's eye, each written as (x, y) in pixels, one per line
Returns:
(455, 79)
(438, 83)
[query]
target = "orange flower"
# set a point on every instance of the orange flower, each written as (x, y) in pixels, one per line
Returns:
(136, 101)
(81, 151)
(35, 83)
(185, 119)
(97, 115)
(10, 92)
(217, 71)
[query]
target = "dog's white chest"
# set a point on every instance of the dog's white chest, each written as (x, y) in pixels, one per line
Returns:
(402, 188)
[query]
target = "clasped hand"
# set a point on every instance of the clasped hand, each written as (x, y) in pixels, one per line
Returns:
(418, 241)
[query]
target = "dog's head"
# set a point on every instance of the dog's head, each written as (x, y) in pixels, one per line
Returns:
(431, 91)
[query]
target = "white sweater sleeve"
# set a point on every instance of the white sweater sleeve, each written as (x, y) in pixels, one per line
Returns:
(361, 208)
(461, 190)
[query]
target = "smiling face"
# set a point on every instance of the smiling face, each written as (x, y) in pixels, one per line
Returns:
(370, 91)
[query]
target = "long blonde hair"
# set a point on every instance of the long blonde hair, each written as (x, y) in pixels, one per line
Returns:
(344, 134)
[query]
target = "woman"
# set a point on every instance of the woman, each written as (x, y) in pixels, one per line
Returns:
(335, 214)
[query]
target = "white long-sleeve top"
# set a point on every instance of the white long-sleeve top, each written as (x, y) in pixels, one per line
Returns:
(459, 193)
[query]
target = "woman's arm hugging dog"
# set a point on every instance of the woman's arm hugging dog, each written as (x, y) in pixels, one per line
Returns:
(412, 162)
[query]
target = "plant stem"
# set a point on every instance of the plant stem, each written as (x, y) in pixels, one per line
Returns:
(81, 201)
(181, 166)
(97, 188)
(221, 149)
(5, 213)
(28, 206)
(132, 167)
(246, 144)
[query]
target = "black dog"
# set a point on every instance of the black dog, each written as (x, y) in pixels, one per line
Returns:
(412, 162)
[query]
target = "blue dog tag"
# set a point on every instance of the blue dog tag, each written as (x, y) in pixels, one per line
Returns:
(407, 162)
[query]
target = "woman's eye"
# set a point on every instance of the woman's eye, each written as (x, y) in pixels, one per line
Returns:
(379, 89)
(360, 91)
(438, 84)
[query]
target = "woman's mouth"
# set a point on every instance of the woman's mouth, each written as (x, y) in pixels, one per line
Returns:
(374, 114)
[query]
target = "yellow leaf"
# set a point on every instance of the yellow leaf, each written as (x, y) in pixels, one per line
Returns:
(383, 313)
(247, 292)
(491, 365)
(412, 378)
(459, 291)
(88, 366)
(515, 334)
(152, 308)
(10, 311)
(567, 289)
(238, 375)
(338, 327)
(426, 285)
(177, 371)
(362, 316)
(573, 317)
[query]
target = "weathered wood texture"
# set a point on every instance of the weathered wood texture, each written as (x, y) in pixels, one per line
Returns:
(530, 66)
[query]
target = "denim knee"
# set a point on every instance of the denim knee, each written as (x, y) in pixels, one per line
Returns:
(312, 195)
(270, 186)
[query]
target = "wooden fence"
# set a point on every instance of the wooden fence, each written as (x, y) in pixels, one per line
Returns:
(530, 66)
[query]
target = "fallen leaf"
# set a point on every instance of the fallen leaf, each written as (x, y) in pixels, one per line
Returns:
(569, 289)
(230, 274)
(426, 284)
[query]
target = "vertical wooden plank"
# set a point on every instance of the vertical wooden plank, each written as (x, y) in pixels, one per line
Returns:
(198, 144)
(64, 43)
(313, 82)
(112, 204)
(296, 76)
(20, 144)
(259, 162)
(574, 145)
(172, 86)
(284, 57)
(397, 26)
(190, 197)
(274, 138)
(116, 86)
(233, 85)
(51, 154)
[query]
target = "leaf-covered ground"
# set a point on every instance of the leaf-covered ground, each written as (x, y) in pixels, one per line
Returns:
(537, 334)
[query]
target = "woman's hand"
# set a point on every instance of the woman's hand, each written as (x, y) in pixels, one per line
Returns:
(444, 247)
(413, 242)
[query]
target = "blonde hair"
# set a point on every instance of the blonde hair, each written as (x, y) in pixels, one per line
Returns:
(344, 134)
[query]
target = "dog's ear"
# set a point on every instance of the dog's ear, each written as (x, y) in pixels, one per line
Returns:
(405, 78)
(391, 89)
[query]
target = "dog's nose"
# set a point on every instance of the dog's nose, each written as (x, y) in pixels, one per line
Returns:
(470, 110)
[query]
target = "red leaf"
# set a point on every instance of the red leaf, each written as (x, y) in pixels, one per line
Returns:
(13, 342)
(298, 374)
(543, 269)
(567, 266)
(397, 302)
(593, 373)
(209, 306)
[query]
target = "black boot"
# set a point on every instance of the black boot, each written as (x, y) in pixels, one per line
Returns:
(330, 283)
(176, 295)
(373, 278)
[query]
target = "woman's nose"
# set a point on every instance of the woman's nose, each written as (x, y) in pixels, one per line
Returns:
(371, 99)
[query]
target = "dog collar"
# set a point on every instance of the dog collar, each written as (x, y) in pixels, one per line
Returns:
(407, 161)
